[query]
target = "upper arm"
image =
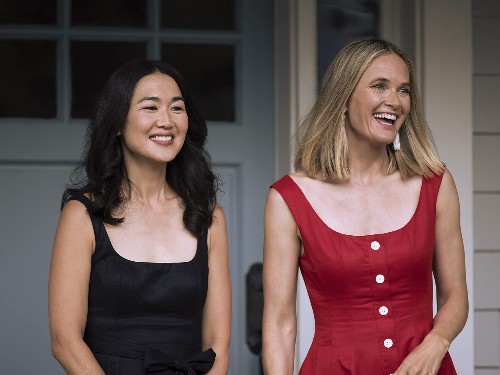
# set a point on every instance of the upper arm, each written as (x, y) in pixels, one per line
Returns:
(70, 271)
(217, 310)
(281, 255)
(449, 258)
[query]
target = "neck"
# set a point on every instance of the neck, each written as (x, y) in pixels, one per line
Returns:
(367, 164)
(149, 185)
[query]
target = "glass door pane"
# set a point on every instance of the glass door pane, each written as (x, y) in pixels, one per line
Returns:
(28, 78)
(209, 69)
(92, 63)
(109, 13)
(28, 12)
(198, 14)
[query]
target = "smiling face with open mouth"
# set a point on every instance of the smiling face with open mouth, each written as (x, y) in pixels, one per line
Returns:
(380, 102)
(157, 121)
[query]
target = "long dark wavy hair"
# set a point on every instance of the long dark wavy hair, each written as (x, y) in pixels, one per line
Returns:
(101, 172)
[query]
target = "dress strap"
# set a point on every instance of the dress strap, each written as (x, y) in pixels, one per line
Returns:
(77, 195)
(295, 200)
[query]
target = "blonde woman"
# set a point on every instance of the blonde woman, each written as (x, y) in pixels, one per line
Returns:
(369, 217)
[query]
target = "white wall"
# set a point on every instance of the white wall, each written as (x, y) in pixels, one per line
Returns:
(446, 60)
(486, 148)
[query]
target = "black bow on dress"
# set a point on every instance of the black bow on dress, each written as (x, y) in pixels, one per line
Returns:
(161, 362)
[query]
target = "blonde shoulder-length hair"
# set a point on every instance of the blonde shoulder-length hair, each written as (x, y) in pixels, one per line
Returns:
(321, 140)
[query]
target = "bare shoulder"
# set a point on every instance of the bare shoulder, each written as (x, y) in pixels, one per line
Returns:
(448, 189)
(448, 201)
(277, 214)
(217, 233)
(75, 224)
(219, 217)
(448, 181)
(275, 202)
(75, 208)
(75, 213)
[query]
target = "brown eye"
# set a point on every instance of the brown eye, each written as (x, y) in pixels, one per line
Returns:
(177, 109)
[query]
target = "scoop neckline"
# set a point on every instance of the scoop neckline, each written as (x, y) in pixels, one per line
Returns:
(116, 253)
(412, 218)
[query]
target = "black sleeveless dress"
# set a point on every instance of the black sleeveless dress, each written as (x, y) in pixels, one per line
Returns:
(145, 318)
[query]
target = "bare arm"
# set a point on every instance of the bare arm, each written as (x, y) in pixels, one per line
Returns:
(68, 290)
(217, 310)
(451, 287)
(281, 254)
(449, 265)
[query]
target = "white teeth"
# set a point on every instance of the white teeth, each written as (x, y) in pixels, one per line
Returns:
(162, 138)
(386, 116)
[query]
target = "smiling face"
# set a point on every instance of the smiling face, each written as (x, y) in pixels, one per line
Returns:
(157, 122)
(379, 103)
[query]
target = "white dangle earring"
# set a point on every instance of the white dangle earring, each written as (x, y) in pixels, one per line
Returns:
(396, 144)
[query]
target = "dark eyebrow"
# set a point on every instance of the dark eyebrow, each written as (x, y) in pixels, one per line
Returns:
(157, 99)
(153, 98)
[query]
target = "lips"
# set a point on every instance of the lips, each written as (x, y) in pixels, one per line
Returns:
(385, 118)
(161, 138)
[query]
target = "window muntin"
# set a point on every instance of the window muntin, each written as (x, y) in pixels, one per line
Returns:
(74, 67)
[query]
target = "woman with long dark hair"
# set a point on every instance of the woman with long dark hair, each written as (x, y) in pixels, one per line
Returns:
(130, 290)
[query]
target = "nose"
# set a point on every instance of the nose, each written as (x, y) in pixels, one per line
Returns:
(392, 99)
(164, 120)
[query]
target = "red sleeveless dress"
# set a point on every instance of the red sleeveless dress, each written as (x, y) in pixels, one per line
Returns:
(371, 295)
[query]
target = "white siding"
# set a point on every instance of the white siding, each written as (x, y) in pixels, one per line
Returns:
(486, 159)
(485, 101)
(486, 52)
(486, 78)
(486, 226)
(487, 296)
(487, 338)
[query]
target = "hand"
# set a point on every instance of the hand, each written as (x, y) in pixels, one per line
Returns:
(426, 358)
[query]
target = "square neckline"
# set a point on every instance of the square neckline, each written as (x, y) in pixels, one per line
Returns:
(83, 199)
(316, 215)
(111, 246)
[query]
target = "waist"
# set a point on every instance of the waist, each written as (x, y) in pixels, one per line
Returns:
(181, 357)
(137, 349)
